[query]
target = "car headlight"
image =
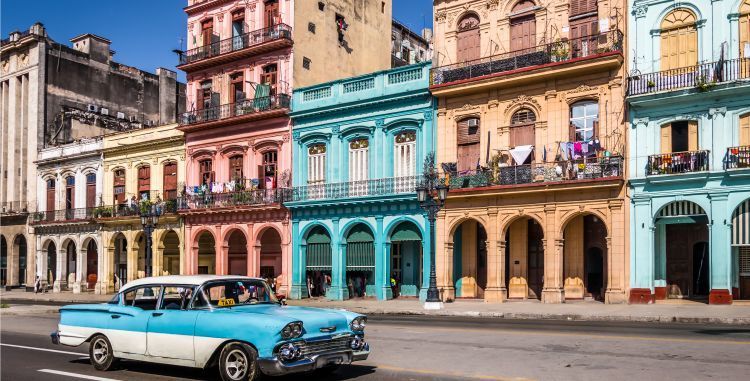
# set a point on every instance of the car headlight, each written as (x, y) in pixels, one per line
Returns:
(292, 330)
(358, 324)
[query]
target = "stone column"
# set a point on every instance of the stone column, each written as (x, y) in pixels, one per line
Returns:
(493, 292)
(299, 260)
(553, 257)
(60, 282)
(338, 290)
(81, 262)
(720, 253)
(642, 253)
(382, 277)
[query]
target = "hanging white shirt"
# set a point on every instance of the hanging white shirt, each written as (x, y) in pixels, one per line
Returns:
(521, 153)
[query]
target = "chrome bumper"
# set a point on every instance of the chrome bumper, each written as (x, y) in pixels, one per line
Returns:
(275, 367)
(55, 337)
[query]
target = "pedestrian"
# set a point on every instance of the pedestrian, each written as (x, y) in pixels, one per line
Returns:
(37, 284)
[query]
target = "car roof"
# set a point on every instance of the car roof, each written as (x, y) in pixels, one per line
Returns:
(194, 280)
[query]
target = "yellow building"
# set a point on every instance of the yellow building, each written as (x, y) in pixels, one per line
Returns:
(531, 132)
(143, 169)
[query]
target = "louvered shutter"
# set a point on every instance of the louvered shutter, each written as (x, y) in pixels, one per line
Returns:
(666, 138)
(692, 135)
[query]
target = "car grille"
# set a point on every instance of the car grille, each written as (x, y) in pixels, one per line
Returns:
(311, 348)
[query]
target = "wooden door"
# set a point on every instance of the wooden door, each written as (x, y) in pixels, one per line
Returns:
(207, 32)
(535, 260)
(170, 181)
(271, 13)
(468, 140)
(744, 48)
(666, 138)
(522, 34)
(235, 167)
(119, 186)
(51, 195)
(744, 130)
(70, 193)
(679, 40)
(237, 92)
(270, 78)
(144, 180)
(583, 36)
(90, 190)
(522, 128)
(468, 39)
(206, 172)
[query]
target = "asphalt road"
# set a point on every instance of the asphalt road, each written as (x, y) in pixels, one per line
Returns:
(419, 348)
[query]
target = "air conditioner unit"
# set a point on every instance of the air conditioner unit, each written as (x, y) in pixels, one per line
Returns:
(473, 122)
(120, 115)
(93, 108)
(104, 111)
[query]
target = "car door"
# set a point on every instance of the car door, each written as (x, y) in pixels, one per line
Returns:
(172, 325)
(128, 322)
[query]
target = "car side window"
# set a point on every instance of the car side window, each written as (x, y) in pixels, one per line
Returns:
(176, 297)
(144, 298)
(200, 301)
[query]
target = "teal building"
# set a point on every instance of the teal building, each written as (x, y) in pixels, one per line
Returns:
(358, 151)
(688, 102)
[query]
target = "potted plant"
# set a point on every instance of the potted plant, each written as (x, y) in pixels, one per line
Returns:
(703, 84)
(650, 84)
(560, 51)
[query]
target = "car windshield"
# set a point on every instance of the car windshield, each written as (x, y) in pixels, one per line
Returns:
(236, 292)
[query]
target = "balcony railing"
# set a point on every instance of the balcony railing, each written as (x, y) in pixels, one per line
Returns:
(135, 209)
(254, 197)
(701, 77)
(560, 51)
(737, 157)
(63, 215)
(231, 110)
(233, 44)
(595, 168)
(14, 207)
(362, 188)
(678, 162)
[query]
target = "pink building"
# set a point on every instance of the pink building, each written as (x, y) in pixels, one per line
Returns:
(241, 64)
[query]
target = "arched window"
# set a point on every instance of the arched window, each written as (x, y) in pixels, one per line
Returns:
(51, 195)
(679, 40)
(170, 181)
(523, 26)
(119, 186)
(468, 42)
(745, 35)
(584, 120)
(91, 190)
(316, 164)
(405, 151)
(522, 128)
(235, 167)
(468, 144)
(144, 182)
(358, 159)
(70, 192)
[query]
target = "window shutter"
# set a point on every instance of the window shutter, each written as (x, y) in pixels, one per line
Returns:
(571, 132)
(666, 138)
(90, 195)
(215, 99)
(745, 130)
(261, 176)
(692, 135)
(468, 134)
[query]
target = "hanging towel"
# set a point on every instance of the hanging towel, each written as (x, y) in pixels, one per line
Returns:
(564, 151)
(577, 148)
(521, 153)
(584, 148)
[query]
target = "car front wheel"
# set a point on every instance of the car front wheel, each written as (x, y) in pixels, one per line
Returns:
(238, 362)
(100, 353)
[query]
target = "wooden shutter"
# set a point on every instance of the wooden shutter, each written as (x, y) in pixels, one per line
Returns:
(745, 130)
(679, 40)
(170, 181)
(522, 33)
(522, 135)
(692, 135)
(666, 138)
(272, 13)
(744, 24)
(261, 177)
(207, 31)
(144, 179)
(51, 195)
(468, 39)
(468, 157)
(90, 193)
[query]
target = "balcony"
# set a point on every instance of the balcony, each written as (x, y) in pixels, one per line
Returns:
(539, 173)
(354, 189)
(14, 207)
(134, 210)
(239, 112)
(542, 56)
(701, 77)
(238, 198)
(63, 216)
(677, 162)
(252, 43)
(737, 157)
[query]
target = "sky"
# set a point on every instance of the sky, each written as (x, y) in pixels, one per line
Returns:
(143, 32)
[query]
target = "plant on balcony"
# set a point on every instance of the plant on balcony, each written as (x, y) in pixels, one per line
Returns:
(145, 206)
(560, 51)
(102, 212)
(703, 84)
(650, 83)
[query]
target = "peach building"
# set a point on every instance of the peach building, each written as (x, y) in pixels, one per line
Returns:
(531, 124)
(242, 60)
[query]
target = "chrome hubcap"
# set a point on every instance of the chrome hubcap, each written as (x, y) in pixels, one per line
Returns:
(236, 364)
(100, 351)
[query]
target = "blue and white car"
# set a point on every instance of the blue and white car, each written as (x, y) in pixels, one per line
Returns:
(234, 323)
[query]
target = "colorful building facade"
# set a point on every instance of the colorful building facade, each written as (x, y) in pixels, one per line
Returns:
(690, 130)
(359, 147)
(530, 125)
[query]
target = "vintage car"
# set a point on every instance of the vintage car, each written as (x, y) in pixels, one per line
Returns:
(233, 322)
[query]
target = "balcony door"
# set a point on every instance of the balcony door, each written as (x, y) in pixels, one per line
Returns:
(523, 27)
(70, 193)
(679, 40)
(522, 131)
(144, 182)
(316, 170)
(206, 172)
(359, 150)
(235, 168)
(584, 26)
(119, 187)
(405, 163)
(91, 190)
(207, 32)
(51, 195)
(271, 13)
(468, 39)
(237, 84)
(238, 29)
(468, 144)
(679, 136)
(170, 181)
(267, 171)
(744, 22)
(270, 78)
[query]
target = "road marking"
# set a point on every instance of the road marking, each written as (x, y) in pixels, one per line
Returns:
(76, 375)
(578, 334)
(44, 349)
(451, 374)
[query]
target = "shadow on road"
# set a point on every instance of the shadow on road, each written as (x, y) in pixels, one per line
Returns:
(720, 332)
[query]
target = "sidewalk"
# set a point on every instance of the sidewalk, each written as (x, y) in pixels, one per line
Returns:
(673, 311)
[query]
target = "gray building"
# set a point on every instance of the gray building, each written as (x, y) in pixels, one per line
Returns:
(408, 47)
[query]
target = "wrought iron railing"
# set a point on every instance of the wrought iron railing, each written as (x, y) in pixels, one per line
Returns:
(594, 168)
(10, 207)
(559, 51)
(238, 198)
(701, 77)
(244, 107)
(233, 44)
(737, 157)
(63, 215)
(678, 162)
(135, 209)
(362, 188)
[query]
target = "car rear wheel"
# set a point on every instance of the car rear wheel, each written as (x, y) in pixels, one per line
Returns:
(100, 353)
(238, 362)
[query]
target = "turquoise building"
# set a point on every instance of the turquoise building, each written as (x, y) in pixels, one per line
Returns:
(359, 147)
(689, 157)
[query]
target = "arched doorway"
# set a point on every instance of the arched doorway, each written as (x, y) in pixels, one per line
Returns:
(69, 268)
(92, 264)
(171, 253)
(360, 261)
(270, 254)
(406, 260)
(120, 261)
(470, 259)
(237, 253)
(206, 253)
(51, 263)
(524, 259)
(318, 262)
(3, 261)
(584, 258)
(682, 255)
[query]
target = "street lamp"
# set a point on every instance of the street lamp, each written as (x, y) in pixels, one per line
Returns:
(426, 195)
(149, 219)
